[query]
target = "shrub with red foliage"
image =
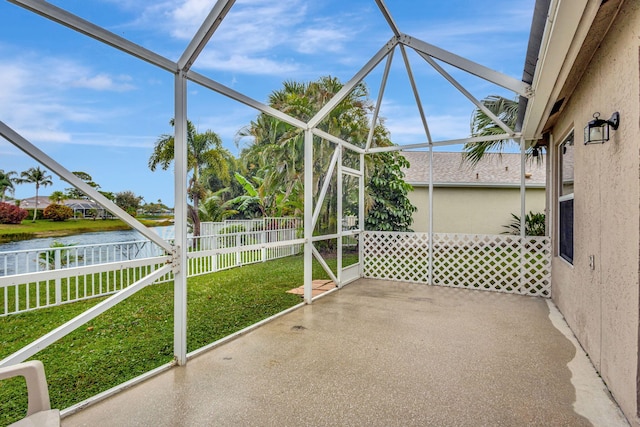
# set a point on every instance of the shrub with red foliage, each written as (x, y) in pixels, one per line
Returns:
(56, 212)
(11, 214)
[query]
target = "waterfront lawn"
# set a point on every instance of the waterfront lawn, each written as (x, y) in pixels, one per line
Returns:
(46, 228)
(136, 336)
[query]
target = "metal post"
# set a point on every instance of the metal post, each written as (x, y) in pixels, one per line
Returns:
(340, 218)
(361, 215)
(180, 249)
(431, 214)
(308, 211)
(522, 187)
(549, 205)
(522, 211)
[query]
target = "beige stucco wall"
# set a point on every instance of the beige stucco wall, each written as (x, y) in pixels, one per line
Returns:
(601, 305)
(478, 210)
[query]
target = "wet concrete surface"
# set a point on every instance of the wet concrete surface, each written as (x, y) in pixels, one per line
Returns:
(375, 353)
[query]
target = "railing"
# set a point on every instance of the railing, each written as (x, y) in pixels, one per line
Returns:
(55, 258)
(46, 288)
(502, 263)
(27, 283)
(235, 243)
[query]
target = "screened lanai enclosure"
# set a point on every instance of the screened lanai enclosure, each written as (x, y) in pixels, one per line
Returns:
(335, 163)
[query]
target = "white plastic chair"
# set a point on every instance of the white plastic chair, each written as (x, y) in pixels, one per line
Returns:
(39, 412)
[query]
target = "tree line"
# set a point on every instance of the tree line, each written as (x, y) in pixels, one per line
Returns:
(41, 178)
(267, 177)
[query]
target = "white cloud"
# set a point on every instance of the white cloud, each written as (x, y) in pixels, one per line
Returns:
(35, 94)
(46, 135)
(246, 64)
(104, 82)
(256, 36)
(111, 140)
(486, 35)
(323, 38)
(252, 24)
(191, 11)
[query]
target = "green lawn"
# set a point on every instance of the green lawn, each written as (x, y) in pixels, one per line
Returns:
(47, 228)
(137, 335)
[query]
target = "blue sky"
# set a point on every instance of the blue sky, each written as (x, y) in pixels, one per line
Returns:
(98, 110)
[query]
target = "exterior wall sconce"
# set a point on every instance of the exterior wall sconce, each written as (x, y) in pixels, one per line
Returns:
(597, 130)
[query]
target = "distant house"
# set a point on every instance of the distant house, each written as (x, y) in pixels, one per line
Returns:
(472, 199)
(85, 208)
(588, 64)
(81, 208)
(30, 203)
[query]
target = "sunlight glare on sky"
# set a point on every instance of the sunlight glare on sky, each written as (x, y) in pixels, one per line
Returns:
(96, 109)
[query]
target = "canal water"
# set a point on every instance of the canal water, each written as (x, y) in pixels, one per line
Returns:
(166, 232)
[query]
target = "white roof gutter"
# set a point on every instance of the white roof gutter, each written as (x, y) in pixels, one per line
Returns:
(566, 28)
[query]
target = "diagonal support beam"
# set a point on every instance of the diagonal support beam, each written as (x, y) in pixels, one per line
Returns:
(348, 87)
(388, 17)
(80, 25)
(503, 80)
(466, 93)
(73, 324)
(376, 111)
(38, 155)
(324, 265)
(416, 94)
(204, 34)
(336, 140)
(472, 140)
(325, 186)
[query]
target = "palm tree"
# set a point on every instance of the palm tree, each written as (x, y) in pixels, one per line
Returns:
(74, 193)
(482, 125)
(276, 153)
(38, 177)
(203, 150)
(58, 197)
(212, 208)
(6, 183)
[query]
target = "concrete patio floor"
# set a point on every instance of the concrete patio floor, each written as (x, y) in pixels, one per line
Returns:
(379, 353)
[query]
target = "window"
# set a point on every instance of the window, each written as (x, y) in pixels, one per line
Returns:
(565, 199)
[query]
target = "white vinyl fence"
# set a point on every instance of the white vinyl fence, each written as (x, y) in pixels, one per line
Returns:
(224, 245)
(502, 263)
(38, 278)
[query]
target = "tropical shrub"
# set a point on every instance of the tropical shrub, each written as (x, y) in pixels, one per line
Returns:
(534, 224)
(11, 214)
(391, 210)
(56, 212)
(48, 258)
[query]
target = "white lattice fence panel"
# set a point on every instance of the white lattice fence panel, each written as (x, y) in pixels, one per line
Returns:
(396, 256)
(477, 261)
(537, 266)
(486, 262)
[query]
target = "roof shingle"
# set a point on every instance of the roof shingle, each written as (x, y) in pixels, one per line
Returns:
(493, 170)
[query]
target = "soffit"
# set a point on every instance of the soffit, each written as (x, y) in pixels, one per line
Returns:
(598, 30)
